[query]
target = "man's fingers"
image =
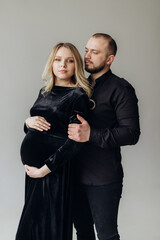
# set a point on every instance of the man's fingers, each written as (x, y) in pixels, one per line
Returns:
(81, 119)
(70, 137)
(71, 133)
(73, 137)
(74, 130)
(72, 125)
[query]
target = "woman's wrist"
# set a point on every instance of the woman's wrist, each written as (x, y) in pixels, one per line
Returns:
(44, 170)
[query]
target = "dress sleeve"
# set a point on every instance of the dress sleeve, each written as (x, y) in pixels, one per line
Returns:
(25, 128)
(127, 131)
(70, 148)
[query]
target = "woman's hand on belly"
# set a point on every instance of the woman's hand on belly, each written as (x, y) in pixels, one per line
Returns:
(39, 123)
(34, 172)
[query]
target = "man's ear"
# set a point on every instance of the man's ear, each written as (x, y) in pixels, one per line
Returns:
(110, 59)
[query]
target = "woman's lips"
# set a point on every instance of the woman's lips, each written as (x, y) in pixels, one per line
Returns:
(62, 71)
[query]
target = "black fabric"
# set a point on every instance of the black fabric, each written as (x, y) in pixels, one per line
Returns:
(114, 123)
(99, 205)
(47, 211)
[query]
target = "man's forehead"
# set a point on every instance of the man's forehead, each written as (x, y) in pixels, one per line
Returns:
(96, 43)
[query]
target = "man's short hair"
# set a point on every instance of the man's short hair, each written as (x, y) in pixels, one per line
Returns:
(112, 46)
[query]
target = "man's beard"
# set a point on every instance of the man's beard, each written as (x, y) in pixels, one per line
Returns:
(96, 69)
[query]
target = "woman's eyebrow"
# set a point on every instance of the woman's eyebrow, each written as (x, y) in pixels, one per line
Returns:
(62, 56)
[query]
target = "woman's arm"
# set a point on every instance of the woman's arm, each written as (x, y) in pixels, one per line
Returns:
(37, 122)
(34, 172)
(69, 149)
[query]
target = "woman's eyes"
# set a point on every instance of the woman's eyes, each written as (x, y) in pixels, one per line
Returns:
(57, 59)
(68, 60)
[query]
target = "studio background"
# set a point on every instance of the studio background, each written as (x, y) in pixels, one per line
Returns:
(29, 29)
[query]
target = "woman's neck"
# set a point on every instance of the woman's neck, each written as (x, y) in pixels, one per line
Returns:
(64, 83)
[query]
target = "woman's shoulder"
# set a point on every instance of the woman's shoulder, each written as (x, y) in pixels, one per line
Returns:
(79, 92)
(71, 92)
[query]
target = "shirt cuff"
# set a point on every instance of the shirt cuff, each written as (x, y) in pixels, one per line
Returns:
(94, 135)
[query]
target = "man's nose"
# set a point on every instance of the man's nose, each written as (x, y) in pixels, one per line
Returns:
(88, 55)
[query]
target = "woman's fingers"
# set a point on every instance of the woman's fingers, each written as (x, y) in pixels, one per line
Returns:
(43, 124)
(39, 123)
(44, 121)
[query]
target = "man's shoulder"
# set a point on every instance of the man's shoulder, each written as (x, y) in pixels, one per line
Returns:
(121, 87)
(119, 81)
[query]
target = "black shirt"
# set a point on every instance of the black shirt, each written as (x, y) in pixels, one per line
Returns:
(114, 123)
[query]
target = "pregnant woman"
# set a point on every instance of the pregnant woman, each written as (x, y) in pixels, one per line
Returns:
(47, 154)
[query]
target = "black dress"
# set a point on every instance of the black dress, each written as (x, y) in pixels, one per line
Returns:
(47, 211)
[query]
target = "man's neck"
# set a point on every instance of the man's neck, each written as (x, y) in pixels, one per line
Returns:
(94, 76)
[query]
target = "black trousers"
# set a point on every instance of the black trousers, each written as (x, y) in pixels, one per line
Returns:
(97, 205)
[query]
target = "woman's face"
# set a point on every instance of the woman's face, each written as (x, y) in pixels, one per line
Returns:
(63, 67)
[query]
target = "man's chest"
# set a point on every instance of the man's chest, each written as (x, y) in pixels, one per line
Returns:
(103, 115)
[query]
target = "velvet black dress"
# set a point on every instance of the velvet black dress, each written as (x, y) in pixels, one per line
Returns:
(47, 211)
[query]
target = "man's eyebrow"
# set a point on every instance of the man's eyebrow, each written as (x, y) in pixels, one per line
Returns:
(93, 49)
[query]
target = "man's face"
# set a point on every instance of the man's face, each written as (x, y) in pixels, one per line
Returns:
(96, 55)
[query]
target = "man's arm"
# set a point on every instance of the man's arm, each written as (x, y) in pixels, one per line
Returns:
(79, 132)
(126, 132)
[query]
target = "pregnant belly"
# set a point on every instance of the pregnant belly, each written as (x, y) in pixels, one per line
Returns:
(38, 146)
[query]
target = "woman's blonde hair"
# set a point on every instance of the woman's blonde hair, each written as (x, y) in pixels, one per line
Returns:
(78, 79)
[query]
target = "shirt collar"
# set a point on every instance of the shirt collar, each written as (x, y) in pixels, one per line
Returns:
(104, 76)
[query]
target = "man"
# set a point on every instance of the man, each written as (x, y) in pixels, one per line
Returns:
(114, 122)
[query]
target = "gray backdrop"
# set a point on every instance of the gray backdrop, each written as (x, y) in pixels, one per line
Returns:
(29, 29)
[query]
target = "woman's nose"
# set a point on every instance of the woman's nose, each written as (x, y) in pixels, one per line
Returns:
(63, 63)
